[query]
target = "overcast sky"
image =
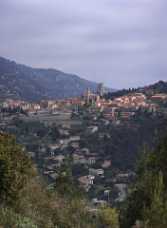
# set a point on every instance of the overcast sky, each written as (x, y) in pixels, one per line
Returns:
(120, 42)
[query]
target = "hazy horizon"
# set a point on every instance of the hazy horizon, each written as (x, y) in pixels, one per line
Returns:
(119, 42)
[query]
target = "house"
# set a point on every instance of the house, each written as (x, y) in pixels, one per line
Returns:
(106, 164)
(91, 160)
(47, 172)
(52, 148)
(31, 154)
(86, 181)
(159, 97)
(122, 192)
(85, 151)
(93, 129)
(64, 142)
(26, 106)
(124, 177)
(59, 158)
(110, 113)
(43, 149)
(74, 138)
(126, 115)
(50, 167)
(53, 176)
(64, 132)
(75, 145)
(96, 172)
(79, 159)
(131, 100)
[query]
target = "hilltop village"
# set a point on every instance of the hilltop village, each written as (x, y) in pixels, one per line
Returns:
(85, 134)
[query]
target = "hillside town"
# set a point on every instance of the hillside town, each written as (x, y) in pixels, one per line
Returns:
(126, 105)
(64, 128)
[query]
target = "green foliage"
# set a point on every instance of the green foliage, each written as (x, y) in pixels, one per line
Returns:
(37, 203)
(147, 201)
(109, 217)
(20, 189)
(26, 202)
(73, 214)
(156, 214)
(10, 219)
(65, 184)
(15, 170)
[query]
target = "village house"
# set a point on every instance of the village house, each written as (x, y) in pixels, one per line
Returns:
(126, 115)
(110, 113)
(131, 100)
(63, 132)
(159, 97)
(122, 192)
(52, 148)
(53, 176)
(50, 166)
(75, 145)
(31, 154)
(26, 106)
(74, 138)
(106, 164)
(124, 177)
(96, 172)
(85, 151)
(92, 129)
(91, 160)
(59, 158)
(79, 159)
(54, 162)
(86, 181)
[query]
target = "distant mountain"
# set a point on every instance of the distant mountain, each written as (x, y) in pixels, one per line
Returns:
(158, 87)
(23, 82)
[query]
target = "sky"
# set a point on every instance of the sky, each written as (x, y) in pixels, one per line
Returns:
(122, 43)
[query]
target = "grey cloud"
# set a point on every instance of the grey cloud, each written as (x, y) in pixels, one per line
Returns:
(120, 42)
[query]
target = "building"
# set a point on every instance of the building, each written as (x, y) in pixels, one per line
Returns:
(96, 172)
(86, 181)
(90, 97)
(159, 97)
(100, 89)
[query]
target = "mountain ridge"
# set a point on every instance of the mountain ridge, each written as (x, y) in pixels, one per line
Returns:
(20, 81)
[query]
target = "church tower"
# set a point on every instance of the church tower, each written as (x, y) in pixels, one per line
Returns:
(100, 89)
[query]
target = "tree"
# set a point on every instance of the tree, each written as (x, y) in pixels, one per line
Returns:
(15, 170)
(108, 217)
(26, 202)
(156, 214)
(147, 201)
(8, 218)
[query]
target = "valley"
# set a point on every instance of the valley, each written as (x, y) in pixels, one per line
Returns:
(98, 139)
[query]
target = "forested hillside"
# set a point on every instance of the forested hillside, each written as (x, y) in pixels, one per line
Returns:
(27, 83)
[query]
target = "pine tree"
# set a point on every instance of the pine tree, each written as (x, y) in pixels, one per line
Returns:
(156, 214)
